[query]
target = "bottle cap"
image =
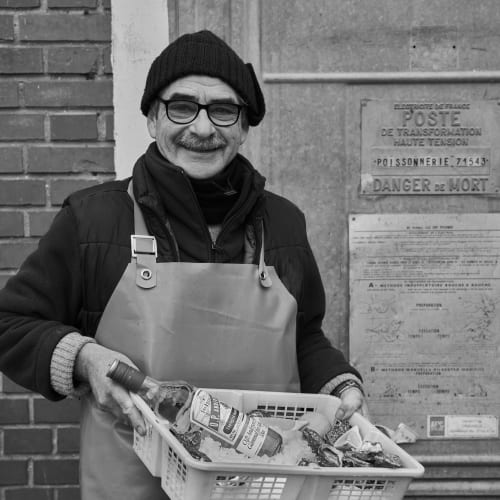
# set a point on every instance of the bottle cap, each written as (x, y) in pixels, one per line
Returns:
(125, 375)
(272, 443)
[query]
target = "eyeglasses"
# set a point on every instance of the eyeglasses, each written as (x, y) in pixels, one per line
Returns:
(222, 114)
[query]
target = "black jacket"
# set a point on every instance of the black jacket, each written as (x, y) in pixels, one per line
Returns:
(66, 283)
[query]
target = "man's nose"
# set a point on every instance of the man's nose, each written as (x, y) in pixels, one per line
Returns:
(202, 126)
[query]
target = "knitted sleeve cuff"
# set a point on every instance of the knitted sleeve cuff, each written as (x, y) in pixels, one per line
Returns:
(335, 382)
(63, 362)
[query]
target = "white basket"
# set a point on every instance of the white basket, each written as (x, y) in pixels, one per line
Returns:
(185, 478)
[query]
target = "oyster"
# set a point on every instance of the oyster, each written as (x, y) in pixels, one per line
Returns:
(351, 459)
(314, 440)
(350, 440)
(329, 456)
(386, 460)
(370, 447)
(199, 455)
(191, 441)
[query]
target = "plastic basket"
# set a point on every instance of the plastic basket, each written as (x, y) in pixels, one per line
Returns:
(185, 478)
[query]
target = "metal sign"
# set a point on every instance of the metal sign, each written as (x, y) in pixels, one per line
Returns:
(424, 320)
(431, 147)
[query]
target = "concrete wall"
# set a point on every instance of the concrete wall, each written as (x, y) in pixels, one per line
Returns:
(139, 35)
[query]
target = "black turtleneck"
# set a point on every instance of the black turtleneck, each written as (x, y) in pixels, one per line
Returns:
(218, 194)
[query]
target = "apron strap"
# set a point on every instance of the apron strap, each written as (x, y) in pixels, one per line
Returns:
(139, 222)
(143, 246)
(264, 278)
(146, 255)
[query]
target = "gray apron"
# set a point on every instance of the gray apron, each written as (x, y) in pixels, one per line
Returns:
(214, 325)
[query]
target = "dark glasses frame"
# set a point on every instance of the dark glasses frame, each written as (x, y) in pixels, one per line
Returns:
(207, 107)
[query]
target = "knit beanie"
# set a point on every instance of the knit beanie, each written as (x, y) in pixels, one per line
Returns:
(204, 53)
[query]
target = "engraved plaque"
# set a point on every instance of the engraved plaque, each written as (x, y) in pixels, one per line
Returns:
(431, 147)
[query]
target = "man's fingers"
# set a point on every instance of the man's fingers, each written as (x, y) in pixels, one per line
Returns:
(137, 421)
(131, 412)
(344, 412)
(128, 408)
(351, 401)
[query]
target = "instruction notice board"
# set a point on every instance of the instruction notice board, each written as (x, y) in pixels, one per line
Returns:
(430, 147)
(425, 320)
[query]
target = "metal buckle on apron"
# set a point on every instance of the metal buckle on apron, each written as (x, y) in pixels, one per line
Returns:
(144, 251)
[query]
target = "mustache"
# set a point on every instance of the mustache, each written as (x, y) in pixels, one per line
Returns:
(189, 141)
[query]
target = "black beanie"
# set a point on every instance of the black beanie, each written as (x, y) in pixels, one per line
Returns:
(204, 53)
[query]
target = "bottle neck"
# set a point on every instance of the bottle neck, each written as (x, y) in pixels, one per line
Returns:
(149, 383)
(127, 376)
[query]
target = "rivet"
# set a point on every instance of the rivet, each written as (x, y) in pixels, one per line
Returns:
(146, 274)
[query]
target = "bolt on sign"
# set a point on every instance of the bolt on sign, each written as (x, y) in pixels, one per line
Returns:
(430, 147)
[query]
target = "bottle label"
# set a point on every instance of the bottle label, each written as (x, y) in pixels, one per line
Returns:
(245, 434)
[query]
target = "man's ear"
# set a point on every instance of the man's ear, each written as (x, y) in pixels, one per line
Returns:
(152, 125)
(244, 126)
(243, 135)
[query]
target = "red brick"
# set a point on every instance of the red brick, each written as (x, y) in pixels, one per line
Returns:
(68, 94)
(14, 411)
(13, 254)
(31, 494)
(22, 192)
(110, 129)
(19, 4)
(57, 471)
(6, 28)
(13, 472)
(71, 493)
(62, 188)
(73, 127)
(10, 387)
(66, 411)
(39, 222)
(9, 97)
(68, 440)
(11, 224)
(21, 127)
(11, 160)
(108, 68)
(21, 441)
(73, 60)
(70, 159)
(68, 4)
(70, 27)
(18, 60)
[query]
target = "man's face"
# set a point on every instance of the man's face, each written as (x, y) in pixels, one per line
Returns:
(201, 148)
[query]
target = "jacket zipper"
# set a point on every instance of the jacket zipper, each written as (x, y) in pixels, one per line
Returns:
(214, 249)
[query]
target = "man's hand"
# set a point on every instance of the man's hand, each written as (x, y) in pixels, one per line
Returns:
(91, 366)
(352, 400)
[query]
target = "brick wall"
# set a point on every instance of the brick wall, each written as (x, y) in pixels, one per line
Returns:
(56, 136)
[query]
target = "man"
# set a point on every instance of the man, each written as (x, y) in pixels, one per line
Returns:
(189, 270)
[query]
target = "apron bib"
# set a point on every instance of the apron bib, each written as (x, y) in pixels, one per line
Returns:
(213, 325)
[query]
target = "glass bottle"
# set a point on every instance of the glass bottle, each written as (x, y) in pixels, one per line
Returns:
(183, 404)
